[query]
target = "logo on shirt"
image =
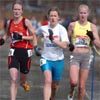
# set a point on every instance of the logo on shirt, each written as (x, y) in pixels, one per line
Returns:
(51, 45)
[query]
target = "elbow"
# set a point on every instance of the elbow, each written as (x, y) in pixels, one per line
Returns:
(64, 46)
(97, 43)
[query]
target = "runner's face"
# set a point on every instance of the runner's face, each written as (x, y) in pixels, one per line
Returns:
(53, 18)
(17, 10)
(83, 14)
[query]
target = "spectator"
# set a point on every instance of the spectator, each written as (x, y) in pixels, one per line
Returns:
(45, 20)
(34, 22)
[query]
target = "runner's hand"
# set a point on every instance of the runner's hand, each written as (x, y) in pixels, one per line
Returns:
(17, 36)
(71, 47)
(2, 41)
(37, 50)
(90, 34)
(51, 35)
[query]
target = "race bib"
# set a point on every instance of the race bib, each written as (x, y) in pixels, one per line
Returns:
(11, 52)
(81, 42)
(30, 53)
(42, 61)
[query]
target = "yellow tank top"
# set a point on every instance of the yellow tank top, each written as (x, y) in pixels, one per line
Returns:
(79, 37)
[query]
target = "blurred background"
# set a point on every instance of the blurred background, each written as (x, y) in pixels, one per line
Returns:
(38, 8)
(36, 11)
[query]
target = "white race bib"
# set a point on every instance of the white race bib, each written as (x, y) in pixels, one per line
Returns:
(11, 52)
(42, 61)
(81, 42)
(30, 53)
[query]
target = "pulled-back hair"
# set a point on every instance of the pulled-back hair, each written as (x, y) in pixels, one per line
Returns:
(54, 9)
(85, 6)
(18, 2)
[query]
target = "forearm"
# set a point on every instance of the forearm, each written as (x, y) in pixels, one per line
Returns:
(27, 37)
(97, 43)
(60, 44)
(35, 40)
(5, 37)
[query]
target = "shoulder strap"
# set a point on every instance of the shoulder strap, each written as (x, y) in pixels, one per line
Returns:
(9, 25)
(23, 21)
(24, 24)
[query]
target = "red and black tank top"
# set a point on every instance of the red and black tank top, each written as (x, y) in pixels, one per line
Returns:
(20, 28)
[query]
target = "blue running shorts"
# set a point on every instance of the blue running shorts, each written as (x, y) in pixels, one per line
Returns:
(56, 67)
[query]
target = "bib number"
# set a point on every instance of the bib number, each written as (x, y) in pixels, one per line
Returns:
(30, 53)
(42, 61)
(11, 52)
(82, 41)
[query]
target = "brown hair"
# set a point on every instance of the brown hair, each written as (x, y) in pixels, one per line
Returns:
(54, 9)
(18, 2)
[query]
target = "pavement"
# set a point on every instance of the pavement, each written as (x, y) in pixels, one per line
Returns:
(36, 80)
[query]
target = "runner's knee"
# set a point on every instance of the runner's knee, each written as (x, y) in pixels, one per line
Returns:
(74, 82)
(55, 84)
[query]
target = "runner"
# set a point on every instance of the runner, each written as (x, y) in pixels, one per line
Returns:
(21, 33)
(82, 32)
(52, 59)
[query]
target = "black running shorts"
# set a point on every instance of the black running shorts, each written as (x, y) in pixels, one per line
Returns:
(19, 59)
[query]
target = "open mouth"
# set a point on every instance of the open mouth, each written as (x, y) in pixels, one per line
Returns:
(82, 17)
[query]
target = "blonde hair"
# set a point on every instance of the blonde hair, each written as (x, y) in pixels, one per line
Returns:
(84, 6)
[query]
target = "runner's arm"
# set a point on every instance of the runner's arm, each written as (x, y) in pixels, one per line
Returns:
(96, 36)
(31, 30)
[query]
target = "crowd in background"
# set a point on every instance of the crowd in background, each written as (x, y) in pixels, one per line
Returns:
(36, 23)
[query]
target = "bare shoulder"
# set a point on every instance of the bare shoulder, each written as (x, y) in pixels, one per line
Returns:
(71, 25)
(28, 24)
(93, 26)
(8, 22)
(27, 21)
